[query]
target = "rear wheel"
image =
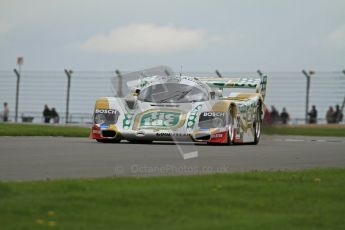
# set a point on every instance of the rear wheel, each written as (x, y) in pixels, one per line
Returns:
(257, 125)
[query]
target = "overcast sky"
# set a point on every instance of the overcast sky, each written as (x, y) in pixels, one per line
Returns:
(243, 35)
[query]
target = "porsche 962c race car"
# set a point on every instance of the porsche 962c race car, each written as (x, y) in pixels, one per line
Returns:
(169, 107)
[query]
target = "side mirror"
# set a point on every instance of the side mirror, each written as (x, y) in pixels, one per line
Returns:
(212, 95)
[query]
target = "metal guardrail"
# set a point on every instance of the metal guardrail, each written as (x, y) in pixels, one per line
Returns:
(34, 117)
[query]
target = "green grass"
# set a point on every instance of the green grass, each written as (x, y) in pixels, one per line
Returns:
(312, 199)
(305, 131)
(8, 129)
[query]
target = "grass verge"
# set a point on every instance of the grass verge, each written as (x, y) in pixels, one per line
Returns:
(306, 130)
(312, 199)
(10, 129)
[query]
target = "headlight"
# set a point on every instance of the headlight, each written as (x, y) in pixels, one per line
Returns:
(100, 119)
(106, 116)
(208, 120)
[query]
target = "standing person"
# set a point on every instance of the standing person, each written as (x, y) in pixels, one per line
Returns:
(330, 115)
(267, 117)
(6, 112)
(284, 116)
(338, 115)
(274, 115)
(313, 115)
(55, 116)
(46, 114)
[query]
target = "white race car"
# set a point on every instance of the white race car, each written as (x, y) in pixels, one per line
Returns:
(169, 107)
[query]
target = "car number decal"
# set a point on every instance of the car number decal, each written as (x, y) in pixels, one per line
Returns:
(160, 119)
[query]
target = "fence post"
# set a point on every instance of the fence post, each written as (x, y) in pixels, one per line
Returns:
(219, 74)
(343, 105)
(260, 73)
(68, 74)
(17, 94)
(119, 92)
(307, 75)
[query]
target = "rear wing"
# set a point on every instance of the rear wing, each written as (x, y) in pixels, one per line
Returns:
(244, 82)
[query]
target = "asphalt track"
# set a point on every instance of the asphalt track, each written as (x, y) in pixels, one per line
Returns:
(37, 158)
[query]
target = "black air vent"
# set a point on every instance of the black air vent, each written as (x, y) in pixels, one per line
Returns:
(160, 105)
(108, 133)
(130, 104)
(202, 136)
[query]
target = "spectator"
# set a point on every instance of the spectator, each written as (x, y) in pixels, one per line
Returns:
(338, 115)
(6, 112)
(330, 115)
(274, 115)
(55, 116)
(46, 114)
(284, 116)
(313, 115)
(267, 117)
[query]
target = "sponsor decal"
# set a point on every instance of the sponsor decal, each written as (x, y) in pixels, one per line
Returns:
(220, 137)
(104, 126)
(160, 119)
(106, 111)
(213, 114)
(167, 134)
(217, 135)
(192, 117)
(127, 121)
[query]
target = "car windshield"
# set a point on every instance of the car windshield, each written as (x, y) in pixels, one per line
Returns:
(123, 83)
(173, 93)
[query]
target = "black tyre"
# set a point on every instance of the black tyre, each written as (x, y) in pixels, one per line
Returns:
(257, 125)
(231, 130)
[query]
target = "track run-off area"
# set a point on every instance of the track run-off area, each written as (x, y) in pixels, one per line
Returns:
(41, 158)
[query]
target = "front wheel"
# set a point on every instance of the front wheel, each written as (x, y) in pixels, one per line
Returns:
(231, 130)
(257, 125)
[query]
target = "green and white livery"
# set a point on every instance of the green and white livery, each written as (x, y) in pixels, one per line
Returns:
(162, 106)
